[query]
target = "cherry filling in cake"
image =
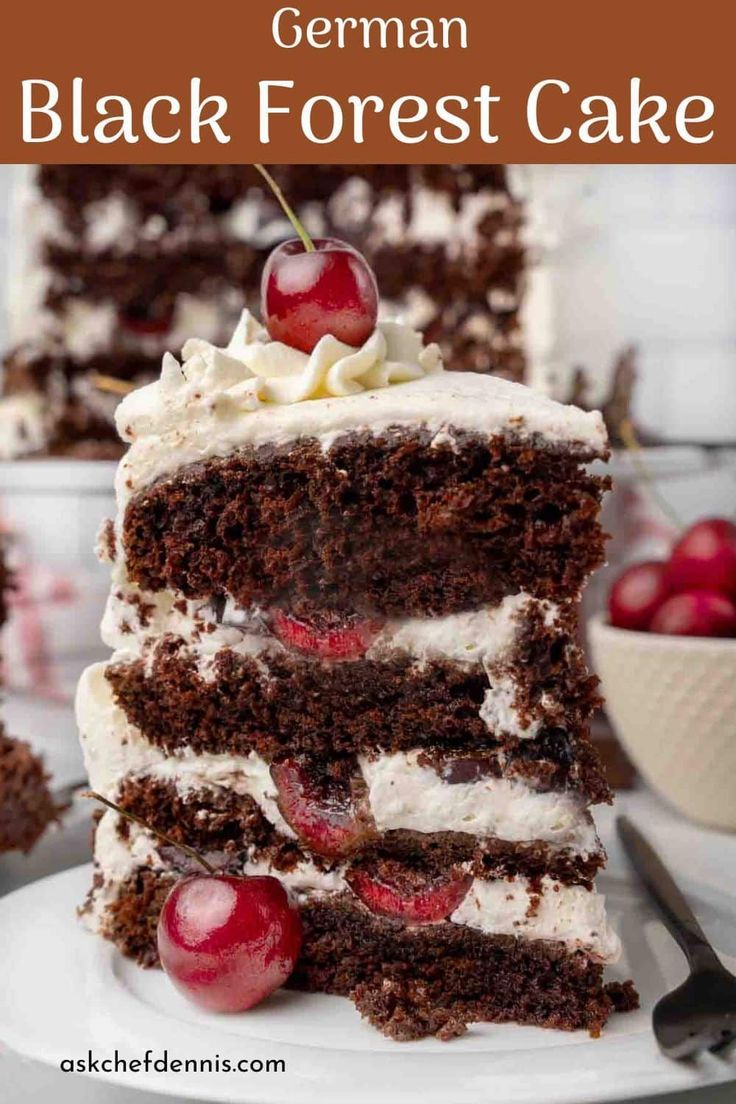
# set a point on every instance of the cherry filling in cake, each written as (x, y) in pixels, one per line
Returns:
(326, 813)
(405, 894)
(141, 319)
(325, 636)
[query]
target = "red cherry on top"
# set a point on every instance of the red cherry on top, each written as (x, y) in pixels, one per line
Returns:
(330, 290)
(227, 942)
(704, 558)
(696, 613)
(637, 594)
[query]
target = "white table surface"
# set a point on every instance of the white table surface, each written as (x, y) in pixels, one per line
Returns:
(51, 729)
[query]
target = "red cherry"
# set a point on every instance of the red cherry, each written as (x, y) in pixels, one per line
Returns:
(704, 558)
(637, 594)
(696, 613)
(305, 295)
(327, 638)
(408, 895)
(141, 323)
(226, 942)
(324, 815)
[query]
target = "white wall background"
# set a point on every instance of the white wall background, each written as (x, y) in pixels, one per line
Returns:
(632, 253)
(646, 254)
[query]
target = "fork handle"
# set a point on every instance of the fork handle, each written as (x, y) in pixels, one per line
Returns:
(675, 911)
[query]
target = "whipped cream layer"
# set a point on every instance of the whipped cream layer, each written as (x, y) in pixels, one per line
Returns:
(135, 620)
(546, 910)
(483, 637)
(256, 392)
(402, 794)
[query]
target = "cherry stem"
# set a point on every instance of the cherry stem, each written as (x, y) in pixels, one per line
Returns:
(111, 384)
(631, 443)
(288, 210)
(155, 831)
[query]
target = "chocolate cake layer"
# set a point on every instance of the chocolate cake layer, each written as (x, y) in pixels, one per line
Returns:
(146, 293)
(181, 191)
(228, 828)
(409, 982)
(437, 979)
(377, 525)
(300, 707)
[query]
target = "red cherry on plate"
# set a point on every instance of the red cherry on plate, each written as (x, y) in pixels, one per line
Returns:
(227, 942)
(327, 638)
(407, 895)
(323, 813)
(305, 295)
(637, 594)
(704, 558)
(696, 613)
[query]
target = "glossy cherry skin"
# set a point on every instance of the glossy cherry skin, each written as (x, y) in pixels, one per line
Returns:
(227, 942)
(637, 594)
(326, 639)
(326, 817)
(422, 903)
(307, 295)
(696, 613)
(704, 558)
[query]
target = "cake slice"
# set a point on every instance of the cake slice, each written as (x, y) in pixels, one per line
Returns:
(26, 805)
(344, 627)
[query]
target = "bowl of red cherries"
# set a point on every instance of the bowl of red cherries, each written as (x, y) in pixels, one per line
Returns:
(666, 656)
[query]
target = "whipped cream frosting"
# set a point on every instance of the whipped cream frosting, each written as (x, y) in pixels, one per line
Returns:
(255, 372)
(401, 792)
(257, 392)
(482, 637)
(474, 636)
(571, 914)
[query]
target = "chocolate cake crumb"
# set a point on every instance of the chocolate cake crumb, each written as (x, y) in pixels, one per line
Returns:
(26, 805)
(623, 996)
(407, 529)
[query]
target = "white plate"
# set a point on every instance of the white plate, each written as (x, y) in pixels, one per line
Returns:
(65, 993)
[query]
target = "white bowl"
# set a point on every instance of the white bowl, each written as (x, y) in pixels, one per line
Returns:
(672, 701)
(53, 510)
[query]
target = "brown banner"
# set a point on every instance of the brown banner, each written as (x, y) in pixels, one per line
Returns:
(570, 81)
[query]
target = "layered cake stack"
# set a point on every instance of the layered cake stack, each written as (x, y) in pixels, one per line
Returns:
(117, 263)
(343, 615)
(26, 806)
